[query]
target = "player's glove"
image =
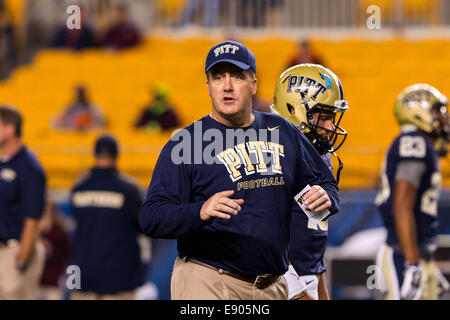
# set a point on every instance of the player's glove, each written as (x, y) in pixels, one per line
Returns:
(412, 282)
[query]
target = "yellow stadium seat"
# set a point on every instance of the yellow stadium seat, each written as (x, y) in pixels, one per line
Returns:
(372, 72)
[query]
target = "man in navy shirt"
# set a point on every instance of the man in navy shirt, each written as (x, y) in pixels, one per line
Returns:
(408, 198)
(224, 188)
(106, 205)
(22, 198)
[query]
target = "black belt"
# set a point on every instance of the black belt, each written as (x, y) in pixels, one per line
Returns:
(261, 281)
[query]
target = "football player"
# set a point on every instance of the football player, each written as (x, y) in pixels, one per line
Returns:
(312, 98)
(408, 198)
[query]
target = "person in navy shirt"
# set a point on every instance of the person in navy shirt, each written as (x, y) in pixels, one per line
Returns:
(224, 188)
(106, 205)
(312, 98)
(22, 201)
(408, 198)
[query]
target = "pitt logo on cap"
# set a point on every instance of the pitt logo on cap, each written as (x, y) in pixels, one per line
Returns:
(303, 85)
(226, 49)
(8, 175)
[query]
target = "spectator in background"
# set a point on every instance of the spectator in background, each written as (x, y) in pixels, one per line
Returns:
(77, 39)
(106, 206)
(81, 115)
(304, 55)
(8, 50)
(122, 33)
(210, 10)
(250, 14)
(253, 13)
(159, 114)
(57, 248)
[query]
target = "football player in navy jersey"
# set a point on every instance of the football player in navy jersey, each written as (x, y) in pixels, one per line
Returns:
(408, 198)
(311, 97)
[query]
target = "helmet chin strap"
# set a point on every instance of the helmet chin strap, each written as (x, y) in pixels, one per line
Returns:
(322, 146)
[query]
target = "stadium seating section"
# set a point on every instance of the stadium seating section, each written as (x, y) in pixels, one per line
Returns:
(372, 72)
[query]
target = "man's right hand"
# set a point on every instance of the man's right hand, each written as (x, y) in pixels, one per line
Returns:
(220, 206)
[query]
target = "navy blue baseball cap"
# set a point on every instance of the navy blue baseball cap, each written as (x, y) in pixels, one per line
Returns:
(106, 145)
(232, 52)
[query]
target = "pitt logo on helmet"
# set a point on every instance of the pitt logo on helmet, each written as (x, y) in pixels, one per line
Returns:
(306, 90)
(303, 84)
(226, 48)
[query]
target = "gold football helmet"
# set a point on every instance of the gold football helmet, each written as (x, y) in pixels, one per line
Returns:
(424, 107)
(308, 88)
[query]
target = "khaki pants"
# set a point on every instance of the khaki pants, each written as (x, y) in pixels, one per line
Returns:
(80, 295)
(191, 281)
(16, 285)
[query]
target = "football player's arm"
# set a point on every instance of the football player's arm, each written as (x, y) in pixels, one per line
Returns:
(322, 289)
(407, 180)
(404, 199)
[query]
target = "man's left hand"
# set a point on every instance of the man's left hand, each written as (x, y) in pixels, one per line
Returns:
(317, 199)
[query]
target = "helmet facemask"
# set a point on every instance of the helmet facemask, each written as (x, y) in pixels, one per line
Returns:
(441, 128)
(325, 139)
(303, 95)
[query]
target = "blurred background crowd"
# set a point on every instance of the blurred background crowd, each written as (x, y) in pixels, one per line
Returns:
(135, 70)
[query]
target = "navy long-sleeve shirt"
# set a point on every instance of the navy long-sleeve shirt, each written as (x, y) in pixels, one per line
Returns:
(266, 172)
